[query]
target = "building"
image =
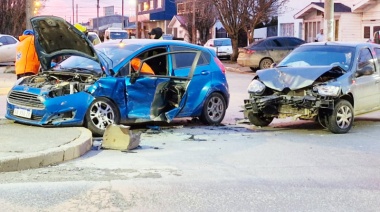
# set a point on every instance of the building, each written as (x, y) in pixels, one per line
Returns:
(354, 20)
(154, 13)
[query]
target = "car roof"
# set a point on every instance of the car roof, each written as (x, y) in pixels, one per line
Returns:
(274, 37)
(220, 39)
(340, 43)
(144, 42)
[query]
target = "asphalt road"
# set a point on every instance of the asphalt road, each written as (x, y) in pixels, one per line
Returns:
(288, 166)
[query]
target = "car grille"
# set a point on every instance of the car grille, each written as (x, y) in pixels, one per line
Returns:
(25, 100)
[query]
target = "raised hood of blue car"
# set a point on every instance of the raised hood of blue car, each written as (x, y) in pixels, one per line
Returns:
(55, 37)
(295, 78)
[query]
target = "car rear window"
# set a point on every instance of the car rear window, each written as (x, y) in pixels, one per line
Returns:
(222, 42)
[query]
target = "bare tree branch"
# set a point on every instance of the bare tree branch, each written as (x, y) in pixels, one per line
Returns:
(237, 15)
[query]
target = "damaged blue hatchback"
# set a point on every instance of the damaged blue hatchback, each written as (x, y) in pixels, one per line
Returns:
(121, 82)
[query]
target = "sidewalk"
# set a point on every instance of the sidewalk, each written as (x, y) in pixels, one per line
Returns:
(25, 147)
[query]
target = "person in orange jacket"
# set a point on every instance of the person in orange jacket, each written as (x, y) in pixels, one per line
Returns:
(27, 62)
(145, 69)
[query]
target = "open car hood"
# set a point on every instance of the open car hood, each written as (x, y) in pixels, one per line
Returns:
(56, 37)
(296, 77)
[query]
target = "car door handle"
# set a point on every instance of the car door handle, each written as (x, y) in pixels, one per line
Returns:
(205, 72)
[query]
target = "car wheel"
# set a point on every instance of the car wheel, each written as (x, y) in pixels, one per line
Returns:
(101, 113)
(258, 119)
(214, 109)
(342, 118)
(266, 63)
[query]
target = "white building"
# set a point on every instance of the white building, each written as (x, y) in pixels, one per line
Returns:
(354, 20)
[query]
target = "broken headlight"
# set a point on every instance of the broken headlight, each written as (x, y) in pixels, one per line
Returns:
(327, 90)
(256, 87)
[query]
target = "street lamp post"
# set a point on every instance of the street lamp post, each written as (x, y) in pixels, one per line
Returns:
(137, 19)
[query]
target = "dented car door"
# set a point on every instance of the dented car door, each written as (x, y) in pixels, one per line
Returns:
(158, 97)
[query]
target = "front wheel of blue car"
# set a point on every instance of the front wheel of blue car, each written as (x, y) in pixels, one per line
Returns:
(214, 109)
(101, 113)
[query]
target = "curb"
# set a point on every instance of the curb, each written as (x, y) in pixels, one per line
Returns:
(51, 156)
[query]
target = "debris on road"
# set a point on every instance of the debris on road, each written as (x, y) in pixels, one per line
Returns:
(120, 137)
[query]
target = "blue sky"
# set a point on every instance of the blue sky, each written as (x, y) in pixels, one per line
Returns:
(86, 8)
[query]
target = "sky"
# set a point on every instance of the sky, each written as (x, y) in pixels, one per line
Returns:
(86, 8)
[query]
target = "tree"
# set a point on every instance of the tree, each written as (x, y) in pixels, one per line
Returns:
(260, 11)
(232, 15)
(205, 18)
(237, 15)
(12, 17)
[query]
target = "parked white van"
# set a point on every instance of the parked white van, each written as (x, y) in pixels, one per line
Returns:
(115, 33)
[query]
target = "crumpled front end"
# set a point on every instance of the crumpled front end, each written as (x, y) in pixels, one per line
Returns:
(293, 92)
(302, 104)
(46, 104)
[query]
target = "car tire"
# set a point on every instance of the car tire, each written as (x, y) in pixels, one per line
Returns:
(265, 63)
(259, 120)
(101, 113)
(214, 109)
(342, 117)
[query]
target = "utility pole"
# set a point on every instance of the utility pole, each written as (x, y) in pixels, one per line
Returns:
(28, 13)
(137, 18)
(76, 13)
(122, 14)
(194, 35)
(329, 20)
(73, 12)
(97, 16)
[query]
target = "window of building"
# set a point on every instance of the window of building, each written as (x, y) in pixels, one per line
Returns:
(159, 3)
(151, 4)
(287, 29)
(367, 32)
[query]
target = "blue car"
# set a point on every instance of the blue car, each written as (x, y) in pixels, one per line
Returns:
(96, 86)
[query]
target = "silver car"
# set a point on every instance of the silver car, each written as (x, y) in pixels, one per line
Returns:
(329, 82)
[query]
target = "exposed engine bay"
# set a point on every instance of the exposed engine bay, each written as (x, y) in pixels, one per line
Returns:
(60, 83)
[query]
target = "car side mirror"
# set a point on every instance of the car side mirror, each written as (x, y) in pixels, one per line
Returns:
(366, 70)
(1, 44)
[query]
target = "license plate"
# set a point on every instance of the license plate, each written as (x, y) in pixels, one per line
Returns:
(22, 113)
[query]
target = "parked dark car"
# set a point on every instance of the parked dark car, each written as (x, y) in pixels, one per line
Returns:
(330, 82)
(101, 85)
(263, 53)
